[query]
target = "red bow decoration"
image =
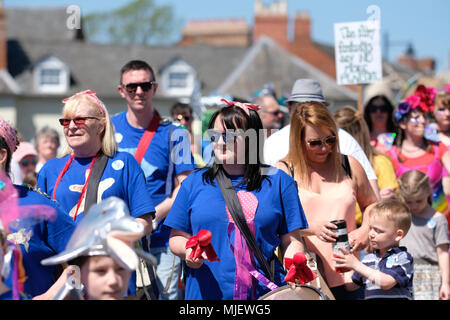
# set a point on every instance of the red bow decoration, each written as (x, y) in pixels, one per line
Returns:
(200, 243)
(91, 94)
(298, 269)
(244, 106)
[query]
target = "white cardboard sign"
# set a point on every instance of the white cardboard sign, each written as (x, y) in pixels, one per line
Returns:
(357, 52)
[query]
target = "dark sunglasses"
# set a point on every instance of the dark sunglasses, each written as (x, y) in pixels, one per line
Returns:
(27, 162)
(226, 136)
(382, 108)
(79, 121)
(275, 113)
(180, 116)
(318, 143)
(145, 86)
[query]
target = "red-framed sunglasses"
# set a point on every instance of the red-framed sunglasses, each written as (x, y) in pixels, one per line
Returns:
(79, 121)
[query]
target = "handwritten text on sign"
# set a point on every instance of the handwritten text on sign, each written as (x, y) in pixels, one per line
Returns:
(358, 52)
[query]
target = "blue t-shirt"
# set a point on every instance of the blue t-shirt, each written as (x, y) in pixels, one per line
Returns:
(47, 238)
(398, 263)
(122, 178)
(168, 155)
(200, 205)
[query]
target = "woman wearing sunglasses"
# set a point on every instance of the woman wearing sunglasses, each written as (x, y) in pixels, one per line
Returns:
(412, 151)
(269, 201)
(328, 191)
(90, 139)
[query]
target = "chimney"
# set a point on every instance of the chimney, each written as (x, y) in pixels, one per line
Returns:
(302, 26)
(271, 21)
(3, 40)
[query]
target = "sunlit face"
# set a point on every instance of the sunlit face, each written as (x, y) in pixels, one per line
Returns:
(104, 278)
(414, 124)
(140, 100)
(85, 137)
(47, 147)
(417, 203)
(382, 232)
(442, 115)
(312, 136)
(233, 150)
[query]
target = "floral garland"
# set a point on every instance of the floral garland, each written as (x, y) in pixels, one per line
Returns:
(421, 100)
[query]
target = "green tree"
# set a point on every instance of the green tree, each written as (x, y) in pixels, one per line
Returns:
(138, 22)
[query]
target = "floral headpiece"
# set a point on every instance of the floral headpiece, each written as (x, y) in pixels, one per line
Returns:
(421, 100)
(244, 106)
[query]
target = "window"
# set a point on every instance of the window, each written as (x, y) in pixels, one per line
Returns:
(178, 80)
(50, 77)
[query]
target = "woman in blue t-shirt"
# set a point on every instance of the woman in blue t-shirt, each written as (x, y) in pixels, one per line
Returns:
(269, 202)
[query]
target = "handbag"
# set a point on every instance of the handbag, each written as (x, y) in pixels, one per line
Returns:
(235, 209)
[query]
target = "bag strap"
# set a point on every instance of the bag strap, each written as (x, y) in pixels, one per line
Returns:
(346, 165)
(235, 209)
(94, 181)
(147, 137)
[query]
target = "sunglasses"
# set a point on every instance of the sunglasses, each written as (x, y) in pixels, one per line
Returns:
(382, 108)
(180, 117)
(145, 86)
(318, 142)
(275, 113)
(27, 162)
(417, 120)
(79, 121)
(226, 136)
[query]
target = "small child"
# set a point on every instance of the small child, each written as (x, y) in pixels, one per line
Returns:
(386, 273)
(428, 239)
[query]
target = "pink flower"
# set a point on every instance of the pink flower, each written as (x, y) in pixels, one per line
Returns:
(413, 101)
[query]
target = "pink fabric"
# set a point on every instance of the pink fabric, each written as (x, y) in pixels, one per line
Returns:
(334, 202)
(433, 169)
(244, 106)
(92, 95)
(9, 134)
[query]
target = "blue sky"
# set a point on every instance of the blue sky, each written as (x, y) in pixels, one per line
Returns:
(423, 23)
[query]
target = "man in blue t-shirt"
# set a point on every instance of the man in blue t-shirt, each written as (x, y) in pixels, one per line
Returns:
(163, 151)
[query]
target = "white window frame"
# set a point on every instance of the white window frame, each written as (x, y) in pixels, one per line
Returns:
(178, 67)
(52, 63)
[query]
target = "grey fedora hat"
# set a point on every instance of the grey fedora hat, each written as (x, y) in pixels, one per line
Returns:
(306, 90)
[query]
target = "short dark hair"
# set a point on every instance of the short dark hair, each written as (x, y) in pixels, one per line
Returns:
(179, 108)
(4, 145)
(136, 65)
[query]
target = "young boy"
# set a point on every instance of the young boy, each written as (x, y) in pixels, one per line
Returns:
(387, 272)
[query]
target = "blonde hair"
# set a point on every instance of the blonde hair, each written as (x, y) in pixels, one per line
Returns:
(393, 210)
(348, 119)
(316, 114)
(109, 144)
(414, 183)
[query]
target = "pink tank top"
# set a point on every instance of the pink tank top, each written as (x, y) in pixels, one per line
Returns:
(433, 169)
(336, 201)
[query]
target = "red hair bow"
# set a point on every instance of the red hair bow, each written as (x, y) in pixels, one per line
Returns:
(298, 269)
(243, 106)
(200, 243)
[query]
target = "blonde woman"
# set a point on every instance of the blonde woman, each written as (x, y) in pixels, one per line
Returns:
(90, 139)
(327, 190)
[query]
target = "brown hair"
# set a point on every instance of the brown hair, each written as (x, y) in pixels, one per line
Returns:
(394, 210)
(349, 119)
(316, 114)
(414, 183)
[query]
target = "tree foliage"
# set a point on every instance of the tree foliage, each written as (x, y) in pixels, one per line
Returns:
(138, 22)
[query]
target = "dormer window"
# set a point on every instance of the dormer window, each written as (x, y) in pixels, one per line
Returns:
(51, 75)
(177, 79)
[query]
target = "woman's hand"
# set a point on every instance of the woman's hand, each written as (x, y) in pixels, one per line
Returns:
(387, 193)
(324, 231)
(197, 263)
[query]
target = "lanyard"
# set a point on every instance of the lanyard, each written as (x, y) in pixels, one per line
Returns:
(147, 137)
(83, 191)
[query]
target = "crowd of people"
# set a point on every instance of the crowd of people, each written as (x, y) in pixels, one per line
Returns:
(139, 210)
